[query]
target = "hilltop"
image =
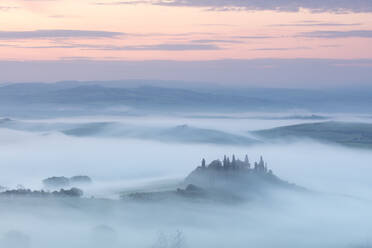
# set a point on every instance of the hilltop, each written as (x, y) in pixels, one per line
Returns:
(224, 181)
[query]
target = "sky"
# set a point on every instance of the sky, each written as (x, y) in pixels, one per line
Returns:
(192, 31)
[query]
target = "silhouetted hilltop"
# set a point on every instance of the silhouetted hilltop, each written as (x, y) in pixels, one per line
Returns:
(224, 181)
(235, 174)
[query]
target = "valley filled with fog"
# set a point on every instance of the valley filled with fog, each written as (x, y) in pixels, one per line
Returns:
(154, 153)
(185, 123)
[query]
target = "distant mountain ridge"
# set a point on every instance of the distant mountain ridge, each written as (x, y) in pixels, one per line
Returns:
(146, 97)
(91, 97)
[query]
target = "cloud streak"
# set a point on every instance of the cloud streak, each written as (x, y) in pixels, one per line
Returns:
(253, 37)
(275, 5)
(316, 24)
(281, 48)
(57, 33)
(159, 47)
(338, 34)
(217, 41)
(156, 47)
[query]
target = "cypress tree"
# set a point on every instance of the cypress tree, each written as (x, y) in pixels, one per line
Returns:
(233, 163)
(246, 160)
(203, 163)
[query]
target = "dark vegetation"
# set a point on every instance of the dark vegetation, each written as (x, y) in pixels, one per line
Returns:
(73, 192)
(62, 182)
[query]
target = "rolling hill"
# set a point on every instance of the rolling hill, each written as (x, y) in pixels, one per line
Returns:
(343, 133)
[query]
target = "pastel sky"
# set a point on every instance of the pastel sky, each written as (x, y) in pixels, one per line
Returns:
(184, 30)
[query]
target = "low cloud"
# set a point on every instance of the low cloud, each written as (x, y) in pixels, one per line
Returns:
(157, 47)
(217, 41)
(57, 33)
(316, 24)
(338, 34)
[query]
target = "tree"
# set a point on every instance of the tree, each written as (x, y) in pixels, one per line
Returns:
(246, 160)
(203, 163)
(233, 163)
(262, 163)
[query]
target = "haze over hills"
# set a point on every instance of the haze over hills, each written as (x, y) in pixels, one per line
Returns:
(79, 98)
(178, 134)
(128, 123)
(353, 134)
(227, 181)
(121, 155)
(138, 141)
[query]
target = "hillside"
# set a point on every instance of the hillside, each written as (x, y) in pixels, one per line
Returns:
(178, 134)
(343, 133)
(223, 181)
